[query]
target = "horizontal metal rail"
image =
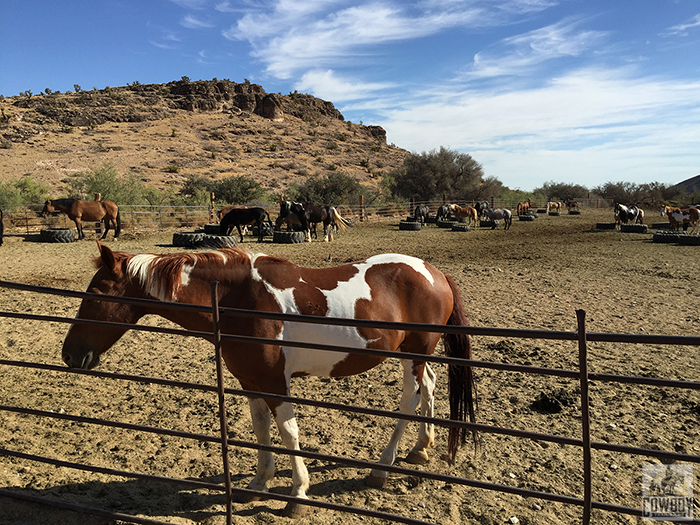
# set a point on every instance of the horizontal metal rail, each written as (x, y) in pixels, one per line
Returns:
(481, 331)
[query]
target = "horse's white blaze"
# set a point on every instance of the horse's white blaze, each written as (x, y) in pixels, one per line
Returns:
(341, 302)
(139, 268)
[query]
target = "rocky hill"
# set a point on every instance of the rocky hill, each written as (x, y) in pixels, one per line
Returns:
(167, 132)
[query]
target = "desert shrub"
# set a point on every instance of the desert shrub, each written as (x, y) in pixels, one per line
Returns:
(128, 189)
(238, 190)
(22, 191)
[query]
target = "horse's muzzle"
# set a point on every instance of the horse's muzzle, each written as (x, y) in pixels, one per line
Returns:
(86, 363)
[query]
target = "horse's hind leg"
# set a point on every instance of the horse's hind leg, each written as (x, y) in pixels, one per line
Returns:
(409, 402)
(289, 432)
(426, 431)
(79, 227)
(260, 414)
(106, 223)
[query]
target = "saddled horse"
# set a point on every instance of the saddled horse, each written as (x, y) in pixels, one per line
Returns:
(78, 211)
(500, 214)
(421, 213)
(625, 214)
(244, 217)
(315, 213)
(419, 293)
(468, 212)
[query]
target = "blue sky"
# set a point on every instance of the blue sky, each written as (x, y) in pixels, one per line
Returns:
(577, 91)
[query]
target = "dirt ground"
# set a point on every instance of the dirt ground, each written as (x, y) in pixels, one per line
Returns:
(532, 277)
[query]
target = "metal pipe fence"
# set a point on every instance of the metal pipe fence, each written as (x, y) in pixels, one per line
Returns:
(587, 503)
(27, 220)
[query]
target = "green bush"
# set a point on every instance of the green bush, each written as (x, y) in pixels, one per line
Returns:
(22, 191)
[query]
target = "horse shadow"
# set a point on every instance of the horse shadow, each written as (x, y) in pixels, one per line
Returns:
(159, 500)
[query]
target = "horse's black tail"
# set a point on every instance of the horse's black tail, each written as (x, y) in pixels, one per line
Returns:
(118, 229)
(462, 388)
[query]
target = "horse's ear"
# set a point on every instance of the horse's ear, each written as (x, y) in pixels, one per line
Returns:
(108, 259)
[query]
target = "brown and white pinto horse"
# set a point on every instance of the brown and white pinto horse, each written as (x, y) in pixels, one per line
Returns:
(468, 212)
(79, 211)
(553, 206)
(387, 287)
(680, 217)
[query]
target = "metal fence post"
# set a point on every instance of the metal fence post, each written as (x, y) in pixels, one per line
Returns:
(222, 405)
(585, 416)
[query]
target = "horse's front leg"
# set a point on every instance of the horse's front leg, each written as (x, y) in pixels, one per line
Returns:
(289, 432)
(260, 414)
(240, 233)
(409, 401)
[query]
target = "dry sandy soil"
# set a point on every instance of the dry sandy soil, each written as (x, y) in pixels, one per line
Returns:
(534, 276)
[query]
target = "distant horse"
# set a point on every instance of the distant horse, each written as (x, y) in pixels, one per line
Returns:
(553, 206)
(421, 213)
(625, 214)
(524, 208)
(292, 222)
(244, 217)
(79, 211)
(269, 284)
(468, 212)
(443, 212)
(682, 217)
(315, 213)
(2, 228)
(481, 208)
(500, 214)
(571, 204)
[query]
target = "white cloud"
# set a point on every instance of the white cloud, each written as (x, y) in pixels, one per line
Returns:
(191, 22)
(682, 29)
(190, 4)
(326, 85)
(300, 35)
(589, 123)
(519, 54)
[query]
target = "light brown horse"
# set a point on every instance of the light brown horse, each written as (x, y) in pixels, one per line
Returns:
(386, 287)
(468, 212)
(78, 211)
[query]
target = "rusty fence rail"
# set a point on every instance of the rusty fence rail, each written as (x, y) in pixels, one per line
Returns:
(580, 336)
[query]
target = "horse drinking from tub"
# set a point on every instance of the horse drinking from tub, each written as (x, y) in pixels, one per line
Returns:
(421, 213)
(244, 217)
(78, 211)
(387, 287)
(500, 214)
(314, 213)
(469, 212)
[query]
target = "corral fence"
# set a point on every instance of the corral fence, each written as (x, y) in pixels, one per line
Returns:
(580, 336)
(27, 220)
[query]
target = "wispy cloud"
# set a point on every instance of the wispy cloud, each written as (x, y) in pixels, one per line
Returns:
(299, 35)
(571, 125)
(190, 4)
(519, 54)
(167, 40)
(682, 29)
(191, 22)
(327, 85)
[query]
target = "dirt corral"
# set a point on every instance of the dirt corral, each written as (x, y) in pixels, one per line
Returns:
(534, 277)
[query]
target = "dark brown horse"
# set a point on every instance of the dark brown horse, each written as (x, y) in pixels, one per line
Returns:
(79, 211)
(386, 287)
(315, 213)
